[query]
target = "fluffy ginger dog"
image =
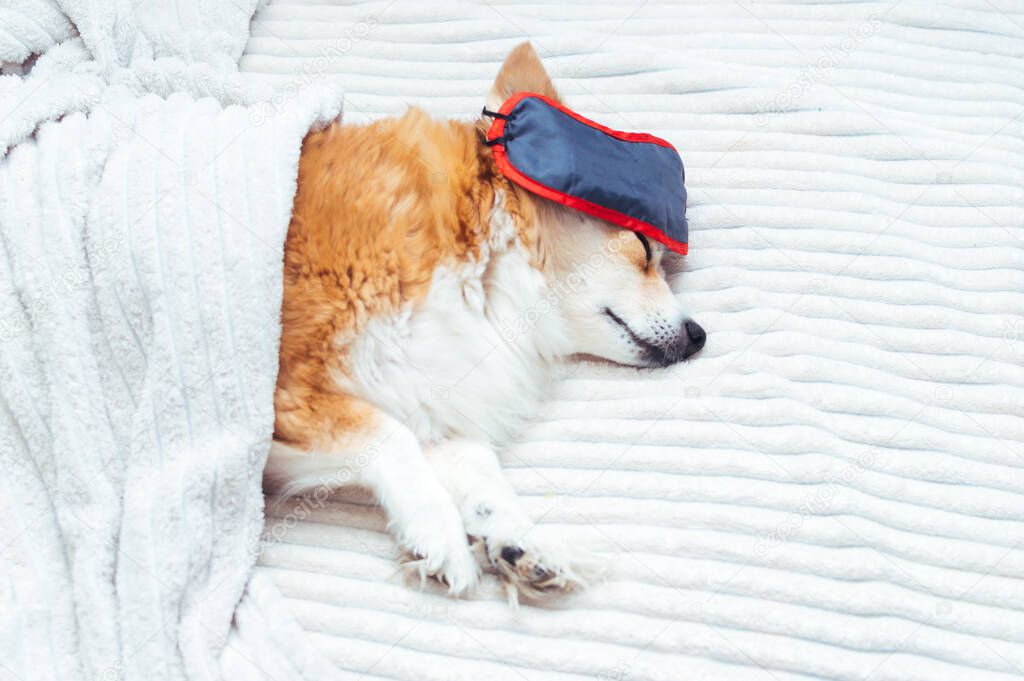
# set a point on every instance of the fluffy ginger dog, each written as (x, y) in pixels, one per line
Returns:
(426, 301)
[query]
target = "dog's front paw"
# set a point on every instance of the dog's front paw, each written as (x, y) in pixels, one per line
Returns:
(457, 569)
(538, 570)
(439, 551)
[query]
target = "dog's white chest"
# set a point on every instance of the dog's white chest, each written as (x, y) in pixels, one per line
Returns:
(471, 358)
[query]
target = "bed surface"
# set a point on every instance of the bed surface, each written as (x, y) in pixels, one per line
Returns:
(834, 487)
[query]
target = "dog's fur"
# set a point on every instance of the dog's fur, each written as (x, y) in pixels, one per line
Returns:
(426, 300)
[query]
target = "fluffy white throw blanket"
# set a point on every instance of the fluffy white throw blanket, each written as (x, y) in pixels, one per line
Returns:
(144, 201)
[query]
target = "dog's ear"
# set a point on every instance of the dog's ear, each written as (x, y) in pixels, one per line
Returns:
(521, 72)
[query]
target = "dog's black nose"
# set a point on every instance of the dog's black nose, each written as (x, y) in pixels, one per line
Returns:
(697, 337)
(695, 333)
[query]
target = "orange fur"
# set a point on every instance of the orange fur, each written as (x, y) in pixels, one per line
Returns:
(379, 207)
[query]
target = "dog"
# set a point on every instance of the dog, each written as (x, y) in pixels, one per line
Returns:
(427, 301)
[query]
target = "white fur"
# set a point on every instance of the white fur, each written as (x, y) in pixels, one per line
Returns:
(454, 366)
(388, 460)
(491, 511)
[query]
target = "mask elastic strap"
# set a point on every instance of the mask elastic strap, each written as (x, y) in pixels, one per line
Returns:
(493, 114)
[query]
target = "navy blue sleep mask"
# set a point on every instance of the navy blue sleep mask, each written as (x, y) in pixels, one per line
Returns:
(633, 180)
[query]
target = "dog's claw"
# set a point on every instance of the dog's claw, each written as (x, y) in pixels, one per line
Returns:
(458, 571)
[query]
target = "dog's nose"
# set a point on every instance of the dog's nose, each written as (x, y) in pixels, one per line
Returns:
(696, 335)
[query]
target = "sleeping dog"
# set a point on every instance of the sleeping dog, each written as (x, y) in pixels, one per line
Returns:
(427, 298)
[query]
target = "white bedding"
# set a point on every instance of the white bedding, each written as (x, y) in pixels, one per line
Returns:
(834, 487)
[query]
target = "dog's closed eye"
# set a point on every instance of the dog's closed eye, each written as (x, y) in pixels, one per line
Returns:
(647, 249)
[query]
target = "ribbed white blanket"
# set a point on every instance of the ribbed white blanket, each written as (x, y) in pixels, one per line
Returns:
(834, 487)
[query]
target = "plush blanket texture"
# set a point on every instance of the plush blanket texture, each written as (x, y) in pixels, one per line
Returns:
(833, 488)
(143, 208)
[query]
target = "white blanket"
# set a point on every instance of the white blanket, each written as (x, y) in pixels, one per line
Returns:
(142, 217)
(834, 487)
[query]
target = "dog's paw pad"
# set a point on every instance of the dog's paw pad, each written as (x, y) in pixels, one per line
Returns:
(537, 572)
(511, 554)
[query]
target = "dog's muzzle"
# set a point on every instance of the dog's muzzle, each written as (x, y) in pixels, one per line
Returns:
(687, 343)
